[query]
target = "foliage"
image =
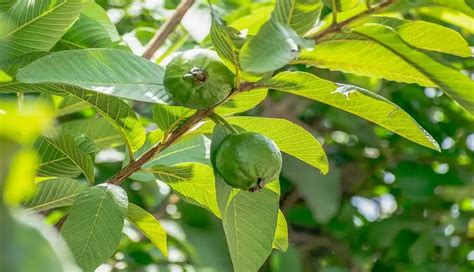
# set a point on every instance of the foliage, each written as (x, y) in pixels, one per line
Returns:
(93, 147)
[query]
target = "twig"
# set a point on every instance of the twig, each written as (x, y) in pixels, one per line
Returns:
(167, 28)
(339, 26)
(173, 137)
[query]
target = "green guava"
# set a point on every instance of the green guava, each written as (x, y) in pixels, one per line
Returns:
(198, 79)
(248, 160)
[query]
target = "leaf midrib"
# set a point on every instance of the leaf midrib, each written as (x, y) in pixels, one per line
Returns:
(36, 18)
(407, 60)
(54, 144)
(38, 207)
(93, 224)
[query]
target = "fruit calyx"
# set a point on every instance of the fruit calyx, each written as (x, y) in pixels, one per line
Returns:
(197, 75)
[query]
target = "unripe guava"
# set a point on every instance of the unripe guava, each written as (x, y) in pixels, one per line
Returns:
(248, 160)
(198, 79)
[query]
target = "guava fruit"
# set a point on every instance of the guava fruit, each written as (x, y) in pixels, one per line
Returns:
(198, 79)
(248, 160)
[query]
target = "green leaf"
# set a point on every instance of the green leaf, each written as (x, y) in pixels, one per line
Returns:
(27, 244)
(299, 15)
(95, 11)
(13, 87)
(355, 100)
(454, 83)
(192, 148)
(322, 194)
(98, 129)
(70, 104)
(54, 193)
(428, 36)
(241, 102)
(61, 156)
(36, 25)
(94, 224)
(117, 113)
(289, 137)
(115, 72)
(280, 241)
(167, 117)
(5, 5)
(341, 5)
(274, 46)
(249, 219)
(85, 33)
(148, 224)
(350, 53)
(85, 143)
(453, 17)
(226, 41)
(193, 181)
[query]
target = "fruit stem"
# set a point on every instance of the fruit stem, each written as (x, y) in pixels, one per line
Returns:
(216, 118)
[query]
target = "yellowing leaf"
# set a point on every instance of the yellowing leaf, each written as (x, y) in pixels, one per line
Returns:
(148, 224)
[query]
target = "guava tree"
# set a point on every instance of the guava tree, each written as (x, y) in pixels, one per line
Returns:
(73, 95)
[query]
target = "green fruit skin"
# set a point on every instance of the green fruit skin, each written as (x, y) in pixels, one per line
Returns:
(197, 94)
(245, 159)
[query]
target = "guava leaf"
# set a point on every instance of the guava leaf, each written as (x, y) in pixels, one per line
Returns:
(299, 15)
(226, 41)
(84, 33)
(193, 181)
(54, 193)
(117, 113)
(274, 46)
(94, 224)
(426, 35)
(33, 26)
(168, 117)
(99, 130)
(289, 137)
(61, 156)
(27, 244)
(93, 10)
(363, 103)
(115, 72)
(241, 102)
(148, 224)
(454, 83)
(280, 241)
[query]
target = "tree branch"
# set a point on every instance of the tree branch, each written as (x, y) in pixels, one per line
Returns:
(197, 117)
(173, 137)
(339, 26)
(167, 28)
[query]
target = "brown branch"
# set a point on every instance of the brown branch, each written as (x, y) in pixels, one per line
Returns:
(167, 28)
(173, 137)
(339, 26)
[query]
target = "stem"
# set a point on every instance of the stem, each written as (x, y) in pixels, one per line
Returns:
(173, 137)
(219, 120)
(339, 26)
(167, 28)
(334, 12)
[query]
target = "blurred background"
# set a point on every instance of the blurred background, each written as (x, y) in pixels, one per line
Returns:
(386, 205)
